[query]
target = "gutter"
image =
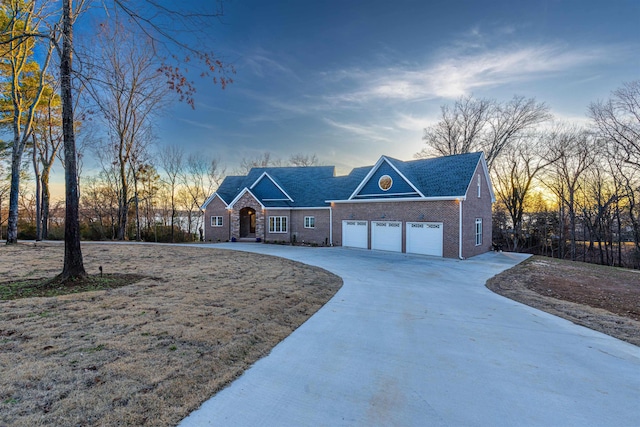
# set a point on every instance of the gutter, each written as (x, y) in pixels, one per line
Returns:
(330, 226)
(460, 232)
(397, 199)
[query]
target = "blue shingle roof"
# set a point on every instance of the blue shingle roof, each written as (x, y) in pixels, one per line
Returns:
(312, 186)
(447, 176)
(231, 186)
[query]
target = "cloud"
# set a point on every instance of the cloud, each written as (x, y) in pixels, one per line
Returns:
(264, 63)
(412, 123)
(198, 123)
(370, 133)
(456, 71)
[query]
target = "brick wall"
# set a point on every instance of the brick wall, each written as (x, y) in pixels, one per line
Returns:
(295, 226)
(277, 237)
(444, 211)
(216, 234)
(247, 201)
(476, 207)
(318, 235)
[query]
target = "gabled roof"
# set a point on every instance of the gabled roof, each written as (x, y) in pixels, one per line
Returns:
(210, 199)
(227, 191)
(315, 186)
(307, 186)
(384, 166)
(267, 188)
(447, 176)
(244, 191)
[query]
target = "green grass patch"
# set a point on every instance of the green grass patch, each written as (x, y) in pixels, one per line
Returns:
(95, 349)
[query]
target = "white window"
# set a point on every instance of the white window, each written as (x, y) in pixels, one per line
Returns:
(277, 224)
(478, 231)
(216, 221)
(309, 222)
(479, 186)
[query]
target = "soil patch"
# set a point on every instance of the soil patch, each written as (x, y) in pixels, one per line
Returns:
(606, 299)
(148, 353)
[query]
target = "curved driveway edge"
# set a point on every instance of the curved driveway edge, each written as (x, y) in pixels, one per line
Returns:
(419, 341)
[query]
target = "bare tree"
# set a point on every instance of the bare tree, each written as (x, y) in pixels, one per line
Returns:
(5, 186)
(171, 160)
(47, 139)
(574, 151)
(596, 204)
(200, 177)
(482, 125)
(618, 120)
(303, 160)
(100, 205)
(511, 121)
(514, 175)
(26, 81)
(264, 160)
(461, 129)
(627, 180)
(129, 91)
(147, 183)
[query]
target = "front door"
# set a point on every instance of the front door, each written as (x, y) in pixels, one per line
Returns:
(247, 222)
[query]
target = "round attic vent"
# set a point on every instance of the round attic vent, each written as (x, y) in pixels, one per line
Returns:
(385, 182)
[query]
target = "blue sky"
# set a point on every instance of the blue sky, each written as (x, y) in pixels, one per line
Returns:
(352, 80)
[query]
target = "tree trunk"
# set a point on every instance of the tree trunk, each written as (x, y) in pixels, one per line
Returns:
(619, 229)
(173, 215)
(12, 224)
(46, 200)
(572, 225)
(137, 202)
(36, 173)
(1, 216)
(123, 211)
(73, 265)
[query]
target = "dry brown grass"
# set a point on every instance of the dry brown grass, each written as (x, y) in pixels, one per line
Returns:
(606, 299)
(151, 352)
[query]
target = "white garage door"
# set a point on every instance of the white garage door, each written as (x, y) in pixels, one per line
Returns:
(386, 235)
(424, 238)
(354, 234)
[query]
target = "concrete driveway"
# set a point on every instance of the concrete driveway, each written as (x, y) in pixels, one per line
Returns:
(418, 341)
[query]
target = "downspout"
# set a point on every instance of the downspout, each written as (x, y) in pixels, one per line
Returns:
(460, 232)
(330, 226)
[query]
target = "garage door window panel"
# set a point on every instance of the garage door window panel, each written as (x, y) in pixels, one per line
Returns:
(425, 238)
(355, 234)
(386, 236)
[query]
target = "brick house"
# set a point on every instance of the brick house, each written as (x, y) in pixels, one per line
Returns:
(438, 207)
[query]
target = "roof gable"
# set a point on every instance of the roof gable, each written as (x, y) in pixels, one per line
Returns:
(242, 193)
(484, 171)
(230, 187)
(439, 177)
(372, 186)
(211, 199)
(266, 189)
